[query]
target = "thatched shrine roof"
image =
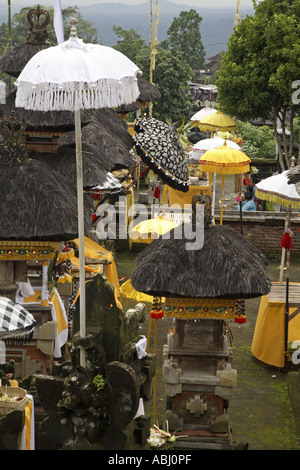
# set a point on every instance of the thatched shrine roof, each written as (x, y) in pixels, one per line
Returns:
(148, 91)
(108, 131)
(227, 266)
(17, 57)
(38, 204)
(59, 121)
(95, 166)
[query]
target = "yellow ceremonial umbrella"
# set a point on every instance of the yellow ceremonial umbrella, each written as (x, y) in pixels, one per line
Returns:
(151, 229)
(225, 161)
(217, 121)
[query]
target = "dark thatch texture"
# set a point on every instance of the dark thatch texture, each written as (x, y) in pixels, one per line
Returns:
(148, 91)
(108, 131)
(59, 121)
(17, 57)
(94, 164)
(227, 266)
(38, 204)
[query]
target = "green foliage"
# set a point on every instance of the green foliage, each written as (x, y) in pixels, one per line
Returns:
(258, 141)
(20, 26)
(256, 73)
(184, 36)
(130, 43)
(99, 382)
(170, 74)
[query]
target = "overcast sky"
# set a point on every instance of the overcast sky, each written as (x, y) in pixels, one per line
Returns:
(244, 4)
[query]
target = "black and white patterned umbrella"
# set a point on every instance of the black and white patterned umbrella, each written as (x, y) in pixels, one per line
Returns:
(15, 320)
(159, 147)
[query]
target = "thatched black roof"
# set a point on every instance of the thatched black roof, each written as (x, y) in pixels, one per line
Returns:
(227, 266)
(108, 131)
(148, 91)
(94, 164)
(59, 121)
(17, 57)
(38, 204)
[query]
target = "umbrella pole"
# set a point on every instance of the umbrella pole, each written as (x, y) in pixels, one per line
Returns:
(287, 307)
(214, 197)
(286, 324)
(222, 199)
(80, 231)
(286, 225)
(155, 374)
(241, 213)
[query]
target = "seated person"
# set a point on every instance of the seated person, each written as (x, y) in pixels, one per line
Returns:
(248, 204)
(254, 179)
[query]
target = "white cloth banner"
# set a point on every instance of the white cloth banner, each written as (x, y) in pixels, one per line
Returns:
(58, 22)
(141, 347)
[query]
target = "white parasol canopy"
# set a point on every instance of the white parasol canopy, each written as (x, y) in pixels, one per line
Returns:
(202, 113)
(70, 77)
(277, 189)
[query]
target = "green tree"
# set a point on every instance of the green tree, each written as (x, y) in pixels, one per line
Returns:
(261, 64)
(20, 26)
(184, 35)
(258, 140)
(130, 43)
(170, 74)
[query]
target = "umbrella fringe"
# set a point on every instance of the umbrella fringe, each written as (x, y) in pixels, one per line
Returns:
(104, 93)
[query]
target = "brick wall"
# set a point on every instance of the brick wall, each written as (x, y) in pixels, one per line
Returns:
(264, 230)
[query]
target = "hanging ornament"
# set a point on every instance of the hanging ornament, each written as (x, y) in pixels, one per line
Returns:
(286, 241)
(240, 317)
(157, 312)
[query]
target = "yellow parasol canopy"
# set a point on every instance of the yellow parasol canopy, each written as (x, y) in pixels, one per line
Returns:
(225, 160)
(218, 120)
(151, 229)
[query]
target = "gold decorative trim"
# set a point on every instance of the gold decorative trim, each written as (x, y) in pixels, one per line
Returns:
(190, 308)
(27, 250)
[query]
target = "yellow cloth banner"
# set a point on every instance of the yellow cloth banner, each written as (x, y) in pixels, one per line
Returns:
(173, 196)
(268, 343)
(60, 318)
(96, 251)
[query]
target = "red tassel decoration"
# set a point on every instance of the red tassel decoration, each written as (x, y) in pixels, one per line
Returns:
(240, 319)
(157, 314)
(286, 241)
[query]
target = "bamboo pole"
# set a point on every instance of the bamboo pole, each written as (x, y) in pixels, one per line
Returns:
(80, 232)
(222, 199)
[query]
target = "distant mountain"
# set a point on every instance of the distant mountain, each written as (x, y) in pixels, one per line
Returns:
(216, 26)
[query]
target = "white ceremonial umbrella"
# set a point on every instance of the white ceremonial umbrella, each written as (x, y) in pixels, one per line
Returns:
(204, 145)
(202, 113)
(277, 189)
(70, 77)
